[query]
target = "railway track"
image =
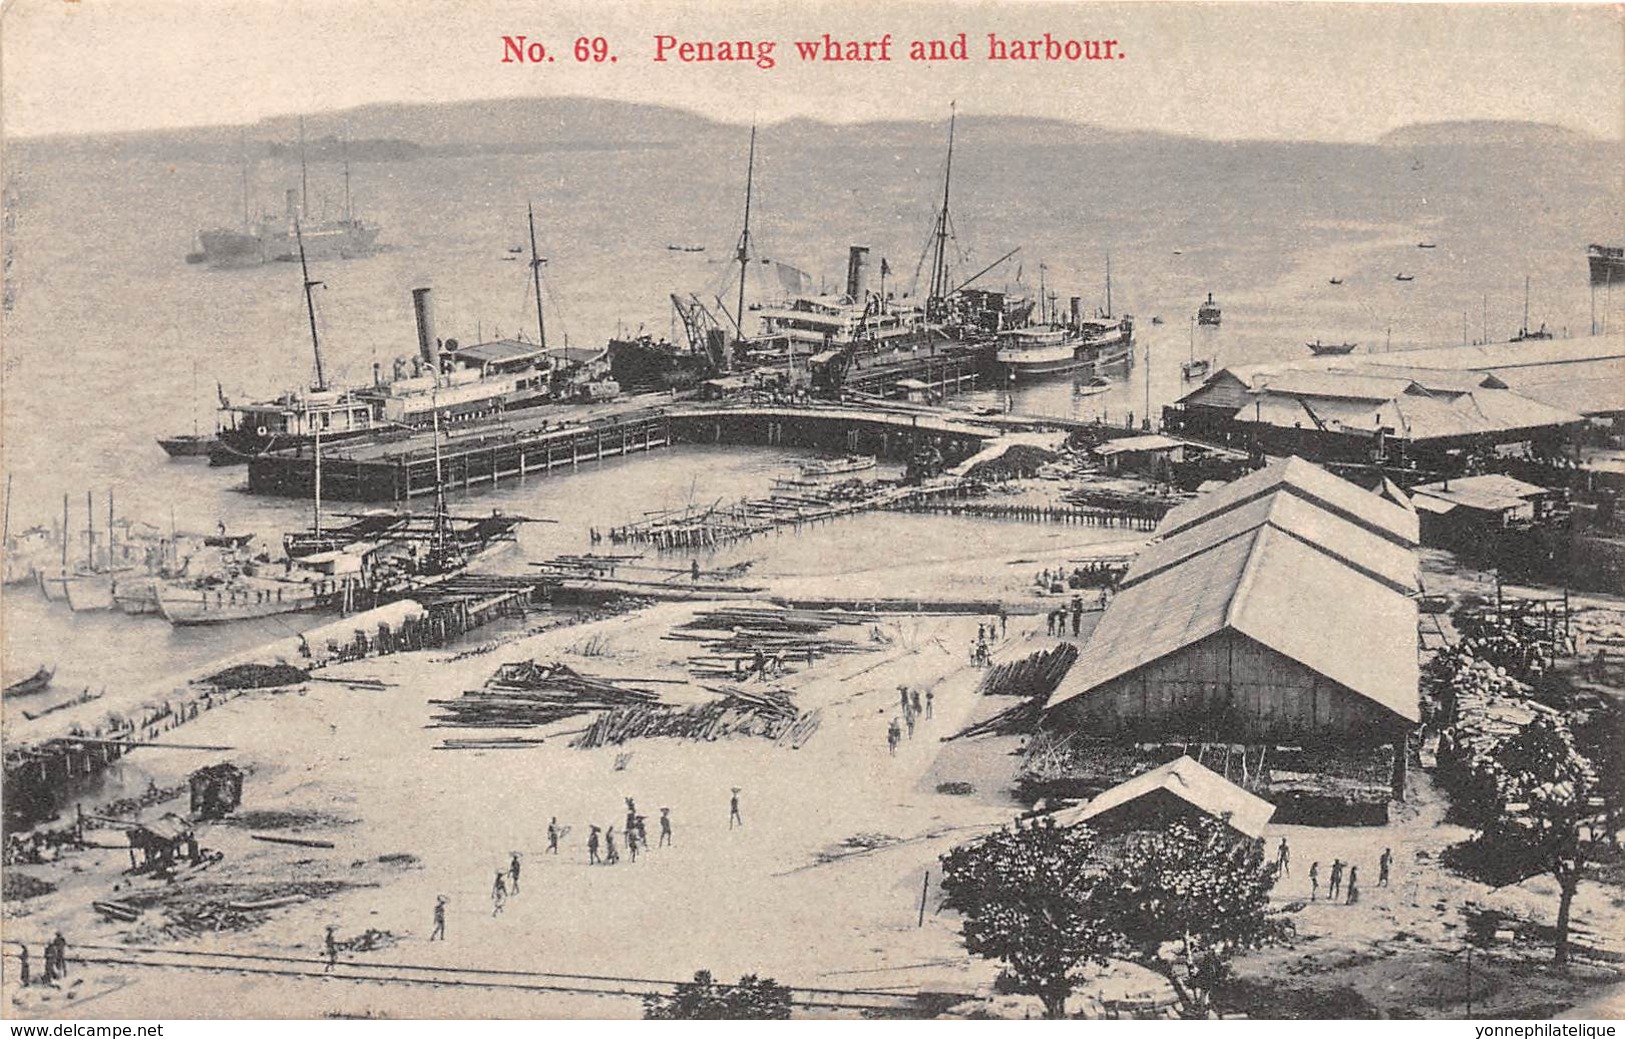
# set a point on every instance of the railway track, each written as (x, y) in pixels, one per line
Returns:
(891, 1003)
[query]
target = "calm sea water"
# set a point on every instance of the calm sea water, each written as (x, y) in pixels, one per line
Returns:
(109, 324)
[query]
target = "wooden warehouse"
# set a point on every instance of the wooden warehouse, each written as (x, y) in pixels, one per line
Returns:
(1274, 611)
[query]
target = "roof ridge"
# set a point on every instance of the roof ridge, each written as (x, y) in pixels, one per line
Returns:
(1244, 583)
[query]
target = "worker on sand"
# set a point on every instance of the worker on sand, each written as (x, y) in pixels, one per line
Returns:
(894, 736)
(513, 872)
(1004, 620)
(665, 827)
(331, 944)
(1314, 881)
(611, 856)
(499, 893)
(1336, 884)
(439, 919)
(643, 832)
(902, 696)
(908, 719)
(1283, 859)
(929, 698)
(58, 954)
(22, 964)
(733, 810)
(914, 702)
(592, 848)
(1383, 865)
(1354, 885)
(553, 835)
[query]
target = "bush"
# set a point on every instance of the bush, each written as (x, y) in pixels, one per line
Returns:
(752, 999)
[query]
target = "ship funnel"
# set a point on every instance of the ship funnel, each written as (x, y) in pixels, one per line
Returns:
(423, 309)
(1077, 311)
(292, 205)
(857, 273)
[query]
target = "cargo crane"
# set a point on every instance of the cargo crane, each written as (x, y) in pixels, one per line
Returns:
(829, 369)
(707, 338)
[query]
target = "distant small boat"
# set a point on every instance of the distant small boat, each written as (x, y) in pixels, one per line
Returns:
(38, 682)
(516, 248)
(188, 445)
(1099, 384)
(196, 257)
(1195, 368)
(1320, 349)
(685, 248)
(837, 466)
(1426, 245)
(228, 540)
(1156, 321)
(1337, 281)
(1404, 277)
(1179, 252)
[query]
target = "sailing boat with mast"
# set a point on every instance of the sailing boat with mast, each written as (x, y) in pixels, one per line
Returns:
(1196, 367)
(194, 444)
(273, 237)
(1524, 334)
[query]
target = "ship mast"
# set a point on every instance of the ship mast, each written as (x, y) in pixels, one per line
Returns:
(304, 177)
(536, 276)
(744, 236)
(349, 214)
(317, 448)
(310, 309)
(939, 259)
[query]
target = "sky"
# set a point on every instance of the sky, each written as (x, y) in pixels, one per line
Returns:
(1231, 70)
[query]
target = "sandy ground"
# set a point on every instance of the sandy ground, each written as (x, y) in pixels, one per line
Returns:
(792, 893)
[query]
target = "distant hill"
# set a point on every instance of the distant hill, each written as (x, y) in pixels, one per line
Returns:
(1480, 132)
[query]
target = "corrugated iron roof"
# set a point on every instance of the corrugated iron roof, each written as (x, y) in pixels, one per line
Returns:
(1190, 781)
(498, 350)
(1309, 482)
(1277, 591)
(1353, 545)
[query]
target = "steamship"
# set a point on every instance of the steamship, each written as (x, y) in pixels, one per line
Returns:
(1607, 264)
(464, 383)
(272, 239)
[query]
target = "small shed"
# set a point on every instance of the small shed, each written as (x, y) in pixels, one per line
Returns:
(723, 387)
(1150, 454)
(161, 844)
(1461, 511)
(1170, 792)
(216, 790)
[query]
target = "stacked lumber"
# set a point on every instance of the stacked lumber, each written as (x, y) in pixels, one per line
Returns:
(1035, 677)
(780, 635)
(525, 694)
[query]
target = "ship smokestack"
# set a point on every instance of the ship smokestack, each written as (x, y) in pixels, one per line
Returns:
(857, 273)
(1077, 311)
(292, 205)
(423, 309)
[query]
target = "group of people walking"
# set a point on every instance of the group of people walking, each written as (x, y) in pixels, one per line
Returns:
(1344, 879)
(602, 849)
(913, 708)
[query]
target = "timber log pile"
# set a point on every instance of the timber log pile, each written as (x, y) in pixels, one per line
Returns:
(527, 694)
(1035, 676)
(1481, 706)
(768, 714)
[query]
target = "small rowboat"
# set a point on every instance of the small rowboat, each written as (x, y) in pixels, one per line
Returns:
(838, 466)
(38, 682)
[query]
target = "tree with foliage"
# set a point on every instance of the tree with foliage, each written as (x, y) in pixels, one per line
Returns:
(1546, 786)
(1026, 896)
(752, 999)
(1186, 900)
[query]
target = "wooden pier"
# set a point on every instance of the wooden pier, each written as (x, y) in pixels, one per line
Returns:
(400, 471)
(397, 470)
